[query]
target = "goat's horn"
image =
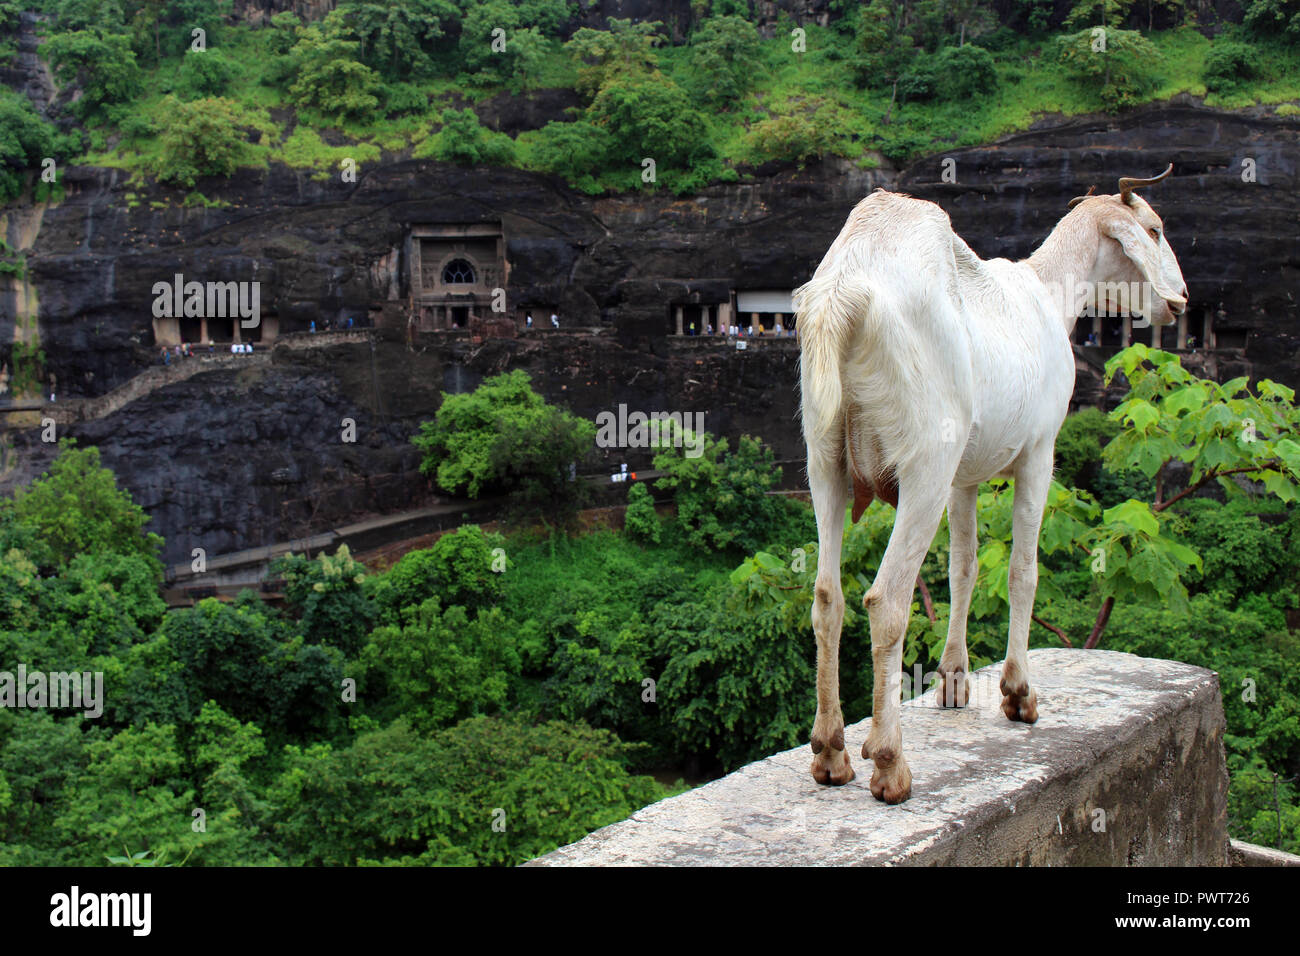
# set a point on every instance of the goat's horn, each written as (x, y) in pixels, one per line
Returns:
(1127, 185)
(1078, 199)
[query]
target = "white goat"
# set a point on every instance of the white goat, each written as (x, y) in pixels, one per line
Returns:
(926, 370)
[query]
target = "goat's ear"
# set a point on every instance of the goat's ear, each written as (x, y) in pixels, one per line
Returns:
(1142, 252)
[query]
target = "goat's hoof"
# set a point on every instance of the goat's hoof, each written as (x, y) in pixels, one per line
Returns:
(1022, 707)
(952, 689)
(892, 782)
(831, 767)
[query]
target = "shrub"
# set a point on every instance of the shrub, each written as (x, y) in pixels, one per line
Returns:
(573, 150)
(403, 98)
(799, 129)
(965, 72)
(396, 796)
(640, 521)
(204, 73)
(1228, 65)
(465, 141)
(460, 568)
(199, 138)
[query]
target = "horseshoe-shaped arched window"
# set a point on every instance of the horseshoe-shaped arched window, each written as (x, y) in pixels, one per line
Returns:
(458, 272)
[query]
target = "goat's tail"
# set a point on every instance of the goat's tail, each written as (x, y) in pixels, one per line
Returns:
(829, 308)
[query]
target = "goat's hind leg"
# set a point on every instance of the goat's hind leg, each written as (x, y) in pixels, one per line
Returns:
(829, 486)
(888, 604)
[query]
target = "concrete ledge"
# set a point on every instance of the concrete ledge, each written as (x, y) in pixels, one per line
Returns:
(1124, 767)
(1251, 854)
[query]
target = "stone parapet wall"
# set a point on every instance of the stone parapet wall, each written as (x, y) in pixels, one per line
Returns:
(1125, 767)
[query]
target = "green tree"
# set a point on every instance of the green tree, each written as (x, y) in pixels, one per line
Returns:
(625, 49)
(1120, 65)
(102, 65)
(1273, 18)
(206, 73)
(199, 138)
(800, 129)
(1079, 444)
(439, 666)
(25, 140)
(504, 438)
(222, 755)
(722, 498)
(73, 15)
(76, 508)
(1229, 65)
(882, 49)
(576, 151)
(250, 662)
(108, 601)
(500, 43)
(40, 758)
(285, 26)
(182, 17)
(965, 73)
(737, 685)
(130, 796)
(640, 521)
(328, 76)
(399, 38)
(329, 596)
(724, 51)
(460, 568)
(1103, 13)
(649, 115)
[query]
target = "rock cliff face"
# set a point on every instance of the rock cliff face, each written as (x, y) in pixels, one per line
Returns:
(239, 458)
(257, 458)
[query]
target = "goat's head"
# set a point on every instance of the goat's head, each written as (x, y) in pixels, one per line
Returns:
(1133, 249)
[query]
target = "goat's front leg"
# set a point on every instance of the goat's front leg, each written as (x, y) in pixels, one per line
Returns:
(829, 487)
(1033, 479)
(889, 603)
(963, 568)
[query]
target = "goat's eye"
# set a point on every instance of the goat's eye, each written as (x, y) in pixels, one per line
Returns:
(1155, 234)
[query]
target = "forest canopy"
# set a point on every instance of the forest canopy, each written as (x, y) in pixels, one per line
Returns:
(712, 97)
(438, 709)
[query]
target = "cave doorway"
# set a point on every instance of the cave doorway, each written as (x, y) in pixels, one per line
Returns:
(687, 314)
(221, 330)
(191, 329)
(460, 316)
